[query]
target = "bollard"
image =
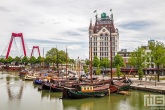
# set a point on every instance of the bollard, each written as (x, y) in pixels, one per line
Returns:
(109, 92)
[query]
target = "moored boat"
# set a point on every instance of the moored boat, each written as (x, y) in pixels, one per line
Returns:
(81, 91)
(29, 78)
(57, 84)
(38, 81)
(123, 85)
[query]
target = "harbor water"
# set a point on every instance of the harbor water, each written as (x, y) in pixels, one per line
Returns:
(16, 94)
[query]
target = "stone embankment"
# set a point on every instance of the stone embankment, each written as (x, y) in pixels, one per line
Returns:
(147, 85)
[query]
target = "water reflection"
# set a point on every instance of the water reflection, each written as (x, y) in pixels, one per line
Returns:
(79, 104)
(17, 95)
(14, 89)
(24, 95)
(50, 95)
(113, 102)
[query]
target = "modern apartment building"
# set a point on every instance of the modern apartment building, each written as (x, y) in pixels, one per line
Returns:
(99, 37)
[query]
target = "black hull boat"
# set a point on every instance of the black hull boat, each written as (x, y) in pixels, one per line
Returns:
(80, 92)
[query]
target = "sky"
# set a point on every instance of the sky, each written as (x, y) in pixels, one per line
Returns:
(65, 23)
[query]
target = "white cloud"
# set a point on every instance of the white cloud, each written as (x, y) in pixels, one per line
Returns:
(65, 23)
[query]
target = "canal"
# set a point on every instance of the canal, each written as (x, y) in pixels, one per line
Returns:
(16, 94)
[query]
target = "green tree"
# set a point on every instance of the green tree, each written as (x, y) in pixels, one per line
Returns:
(72, 62)
(158, 55)
(96, 62)
(17, 60)
(47, 60)
(32, 60)
(118, 61)
(39, 59)
(85, 68)
(104, 63)
(25, 60)
(62, 57)
(138, 59)
(98, 71)
(3, 60)
(87, 61)
(118, 73)
(56, 56)
(51, 56)
(9, 60)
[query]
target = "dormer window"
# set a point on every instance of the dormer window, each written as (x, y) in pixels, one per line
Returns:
(101, 34)
(106, 34)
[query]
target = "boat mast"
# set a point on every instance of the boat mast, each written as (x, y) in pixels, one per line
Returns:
(43, 58)
(111, 43)
(91, 60)
(78, 67)
(66, 61)
(57, 61)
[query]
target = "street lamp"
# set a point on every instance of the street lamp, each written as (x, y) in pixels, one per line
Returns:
(91, 59)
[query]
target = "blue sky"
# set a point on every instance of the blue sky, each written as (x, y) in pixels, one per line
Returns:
(61, 23)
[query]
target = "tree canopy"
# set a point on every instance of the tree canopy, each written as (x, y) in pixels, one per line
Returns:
(118, 61)
(158, 54)
(96, 62)
(137, 59)
(105, 62)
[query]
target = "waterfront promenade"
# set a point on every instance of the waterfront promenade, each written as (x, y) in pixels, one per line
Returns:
(147, 85)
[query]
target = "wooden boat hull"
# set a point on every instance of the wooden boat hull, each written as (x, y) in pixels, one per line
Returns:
(29, 78)
(12, 68)
(73, 93)
(113, 89)
(124, 87)
(79, 95)
(23, 73)
(57, 89)
(46, 86)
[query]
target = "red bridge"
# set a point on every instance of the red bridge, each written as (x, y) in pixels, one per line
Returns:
(20, 35)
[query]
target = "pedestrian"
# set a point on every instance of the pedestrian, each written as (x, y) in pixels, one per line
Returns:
(103, 75)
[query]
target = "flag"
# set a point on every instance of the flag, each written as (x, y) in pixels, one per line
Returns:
(95, 11)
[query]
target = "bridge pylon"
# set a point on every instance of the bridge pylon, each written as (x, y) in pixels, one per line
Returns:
(11, 41)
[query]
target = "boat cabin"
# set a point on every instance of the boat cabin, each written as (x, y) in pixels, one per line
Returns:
(87, 88)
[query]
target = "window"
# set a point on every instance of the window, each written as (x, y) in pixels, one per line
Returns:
(113, 43)
(113, 48)
(106, 34)
(113, 38)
